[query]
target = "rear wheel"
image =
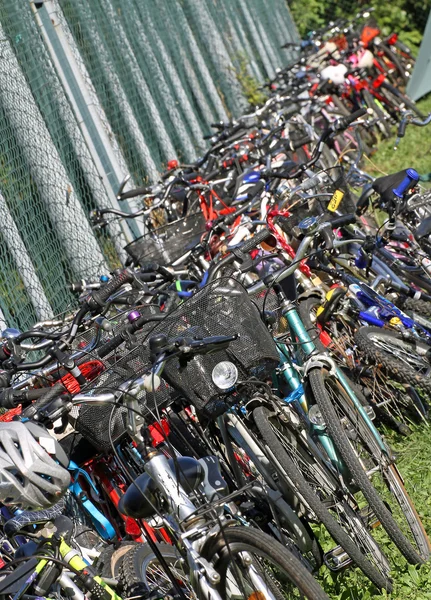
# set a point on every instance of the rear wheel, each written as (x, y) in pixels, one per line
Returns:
(361, 451)
(252, 565)
(406, 361)
(319, 490)
(379, 113)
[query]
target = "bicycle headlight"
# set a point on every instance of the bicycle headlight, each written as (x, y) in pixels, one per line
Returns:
(225, 375)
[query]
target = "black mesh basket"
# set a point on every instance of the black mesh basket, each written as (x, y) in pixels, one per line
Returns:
(167, 243)
(123, 364)
(334, 183)
(220, 308)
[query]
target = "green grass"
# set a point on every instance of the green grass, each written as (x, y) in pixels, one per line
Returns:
(414, 452)
(410, 582)
(414, 149)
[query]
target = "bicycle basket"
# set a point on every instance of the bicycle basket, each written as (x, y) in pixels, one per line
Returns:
(123, 364)
(220, 308)
(167, 243)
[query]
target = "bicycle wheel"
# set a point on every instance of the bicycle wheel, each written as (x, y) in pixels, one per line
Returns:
(322, 493)
(398, 74)
(364, 458)
(383, 124)
(395, 405)
(253, 565)
(279, 516)
(141, 571)
(406, 360)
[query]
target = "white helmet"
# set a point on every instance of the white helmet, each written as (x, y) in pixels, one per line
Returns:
(29, 478)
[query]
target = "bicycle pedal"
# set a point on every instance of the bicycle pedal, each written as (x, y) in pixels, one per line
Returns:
(337, 559)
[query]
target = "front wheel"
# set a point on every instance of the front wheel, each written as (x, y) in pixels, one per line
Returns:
(378, 479)
(252, 565)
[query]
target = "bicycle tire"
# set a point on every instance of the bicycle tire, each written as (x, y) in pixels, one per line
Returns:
(134, 577)
(317, 378)
(402, 99)
(234, 540)
(395, 60)
(413, 305)
(403, 373)
(260, 417)
(411, 402)
(371, 103)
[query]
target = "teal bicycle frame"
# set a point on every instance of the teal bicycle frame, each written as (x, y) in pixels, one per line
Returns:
(289, 374)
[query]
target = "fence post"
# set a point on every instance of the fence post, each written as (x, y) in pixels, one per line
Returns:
(87, 118)
(47, 170)
(23, 262)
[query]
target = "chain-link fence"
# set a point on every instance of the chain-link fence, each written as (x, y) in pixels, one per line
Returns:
(91, 91)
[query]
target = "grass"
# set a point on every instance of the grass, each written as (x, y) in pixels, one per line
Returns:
(410, 582)
(414, 150)
(414, 457)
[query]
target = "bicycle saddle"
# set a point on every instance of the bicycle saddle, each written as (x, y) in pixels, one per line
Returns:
(384, 185)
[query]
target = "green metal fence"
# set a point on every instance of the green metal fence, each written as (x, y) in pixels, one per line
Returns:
(91, 91)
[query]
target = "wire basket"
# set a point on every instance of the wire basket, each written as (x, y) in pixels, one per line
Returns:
(220, 308)
(102, 424)
(167, 243)
(340, 198)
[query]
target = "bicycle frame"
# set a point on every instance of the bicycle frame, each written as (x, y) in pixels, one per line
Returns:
(300, 333)
(72, 558)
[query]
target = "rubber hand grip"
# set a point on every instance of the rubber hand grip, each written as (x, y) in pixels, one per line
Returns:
(256, 190)
(97, 299)
(231, 217)
(83, 285)
(409, 181)
(344, 122)
(141, 191)
(110, 346)
(260, 237)
(10, 398)
(311, 183)
(402, 129)
(328, 237)
(149, 267)
(294, 145)
(342, 220)
(50, 394)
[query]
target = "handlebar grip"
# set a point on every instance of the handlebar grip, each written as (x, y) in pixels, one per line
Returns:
(50, 394)
(231, 217)
(311, 183)
(260, 237)
(344, 122)
(256, 190)
(96, 300)
(342, 220)
(83, 285)
(402, 129)
(213, 173)
(109, 346)
(328, 237)
(219, 125)
(11, 398)
(149, 267)
(141, 191)
(146, 277)
(409, 181)
(294, 145)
